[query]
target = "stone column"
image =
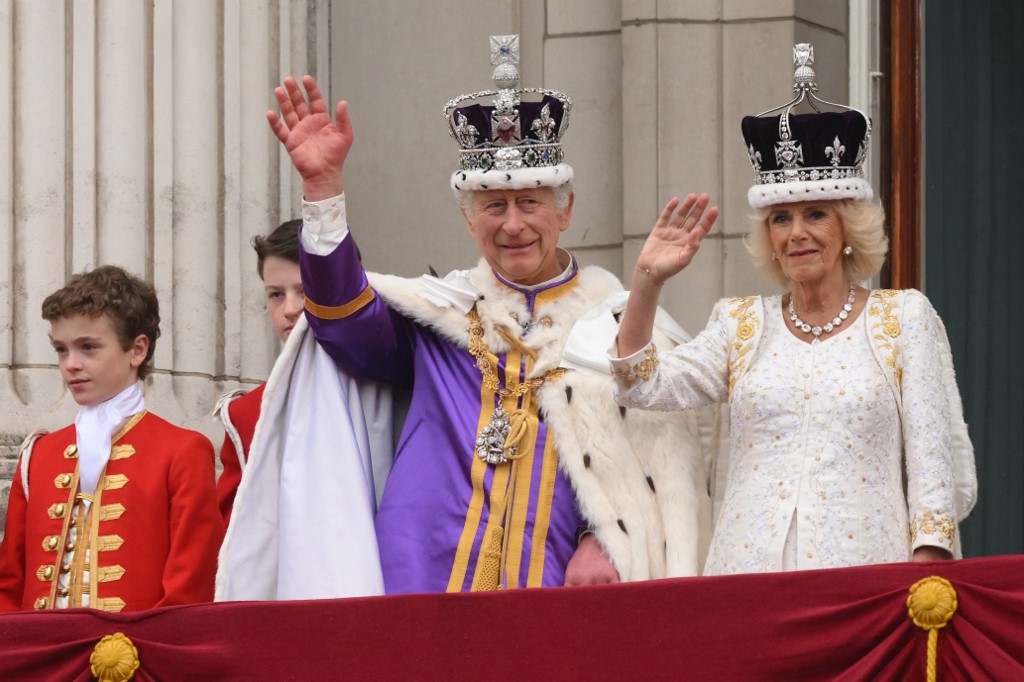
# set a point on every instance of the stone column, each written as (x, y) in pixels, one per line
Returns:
(135, 134)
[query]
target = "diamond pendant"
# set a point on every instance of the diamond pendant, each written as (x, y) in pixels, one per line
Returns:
(490, 442)
(816, 341)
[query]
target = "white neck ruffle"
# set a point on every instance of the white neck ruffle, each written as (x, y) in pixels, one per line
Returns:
(95, 427)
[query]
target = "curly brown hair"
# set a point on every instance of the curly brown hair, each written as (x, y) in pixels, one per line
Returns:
(129, 302)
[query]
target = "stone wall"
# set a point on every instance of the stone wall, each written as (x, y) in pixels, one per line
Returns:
(135, 134)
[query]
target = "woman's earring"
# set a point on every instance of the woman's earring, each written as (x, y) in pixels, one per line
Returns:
(848, 250)
(774, 257)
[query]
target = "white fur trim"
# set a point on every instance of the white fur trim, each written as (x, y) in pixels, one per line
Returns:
(639, 476)
(519, 178)
(760, 196)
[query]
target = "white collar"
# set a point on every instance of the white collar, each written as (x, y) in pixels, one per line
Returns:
(95, 427)
(456, 290)
(561, 277)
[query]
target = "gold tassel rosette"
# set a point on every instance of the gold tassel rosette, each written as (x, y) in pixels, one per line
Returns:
(114, 659)
(931, 605)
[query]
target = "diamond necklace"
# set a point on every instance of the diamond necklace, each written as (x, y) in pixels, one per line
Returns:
(828, 326)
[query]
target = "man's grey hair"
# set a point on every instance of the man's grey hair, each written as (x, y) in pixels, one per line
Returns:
(562, 194)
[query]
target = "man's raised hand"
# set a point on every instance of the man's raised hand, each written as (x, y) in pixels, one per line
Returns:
(316, 144)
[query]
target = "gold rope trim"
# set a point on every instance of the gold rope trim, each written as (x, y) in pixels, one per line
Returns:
(337, 312)
(108, 543)
(931, 605)
(109, 604)
(121, 452)
(111, 512)
(107, 574)
(114, 659)
(113, 482)
(128, 426)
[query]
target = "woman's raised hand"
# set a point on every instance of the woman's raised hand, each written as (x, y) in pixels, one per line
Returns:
(316, 144)
(675, 238)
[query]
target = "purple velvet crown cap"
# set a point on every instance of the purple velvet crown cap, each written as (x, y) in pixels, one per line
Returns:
(479, 116)
(823, 157)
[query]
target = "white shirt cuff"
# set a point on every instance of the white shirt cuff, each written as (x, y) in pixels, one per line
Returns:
(324, 225)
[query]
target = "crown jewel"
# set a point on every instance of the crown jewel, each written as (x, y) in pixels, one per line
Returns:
(813, 153)
(520, 140)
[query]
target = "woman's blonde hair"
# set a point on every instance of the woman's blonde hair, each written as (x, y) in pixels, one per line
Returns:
(863, 229)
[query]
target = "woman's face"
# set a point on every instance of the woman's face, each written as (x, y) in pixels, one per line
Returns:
(807, 238)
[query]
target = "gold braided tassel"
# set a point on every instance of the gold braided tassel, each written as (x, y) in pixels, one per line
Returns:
(489, 577)
(931, 605)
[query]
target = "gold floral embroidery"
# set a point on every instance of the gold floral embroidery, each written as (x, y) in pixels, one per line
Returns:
(642, 370)
(886, 327)
(746, 329)
(931, 523)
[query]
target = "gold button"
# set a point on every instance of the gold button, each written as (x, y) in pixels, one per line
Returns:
(48, 573)
(63, 591)
(52, 542)
(41, 603)
(70, 547)
(64, 480)
(65, 568)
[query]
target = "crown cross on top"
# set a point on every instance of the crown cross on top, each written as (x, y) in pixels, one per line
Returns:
(520, 131)
(805, 156)
(504, 50)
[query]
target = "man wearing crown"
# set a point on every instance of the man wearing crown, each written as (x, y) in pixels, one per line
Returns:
(515, 468)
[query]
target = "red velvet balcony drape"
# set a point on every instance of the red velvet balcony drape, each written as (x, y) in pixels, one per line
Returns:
(848, 624)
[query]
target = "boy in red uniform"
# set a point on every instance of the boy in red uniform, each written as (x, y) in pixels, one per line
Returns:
(277, 262)
(117, 511)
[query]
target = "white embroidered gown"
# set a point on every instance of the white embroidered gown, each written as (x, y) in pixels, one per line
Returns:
(817, 476)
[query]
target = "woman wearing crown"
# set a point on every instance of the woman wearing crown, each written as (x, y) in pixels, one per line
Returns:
(846, 444)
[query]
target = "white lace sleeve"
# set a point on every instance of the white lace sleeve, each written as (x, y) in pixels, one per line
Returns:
(926, 428)
(691, 375)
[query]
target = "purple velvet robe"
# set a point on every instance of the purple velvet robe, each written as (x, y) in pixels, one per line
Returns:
(437, 513)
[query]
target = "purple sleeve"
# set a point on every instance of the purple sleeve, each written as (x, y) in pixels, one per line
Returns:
(372, 341)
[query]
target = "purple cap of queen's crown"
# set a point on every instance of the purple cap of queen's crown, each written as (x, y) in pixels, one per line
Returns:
(807, 157)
